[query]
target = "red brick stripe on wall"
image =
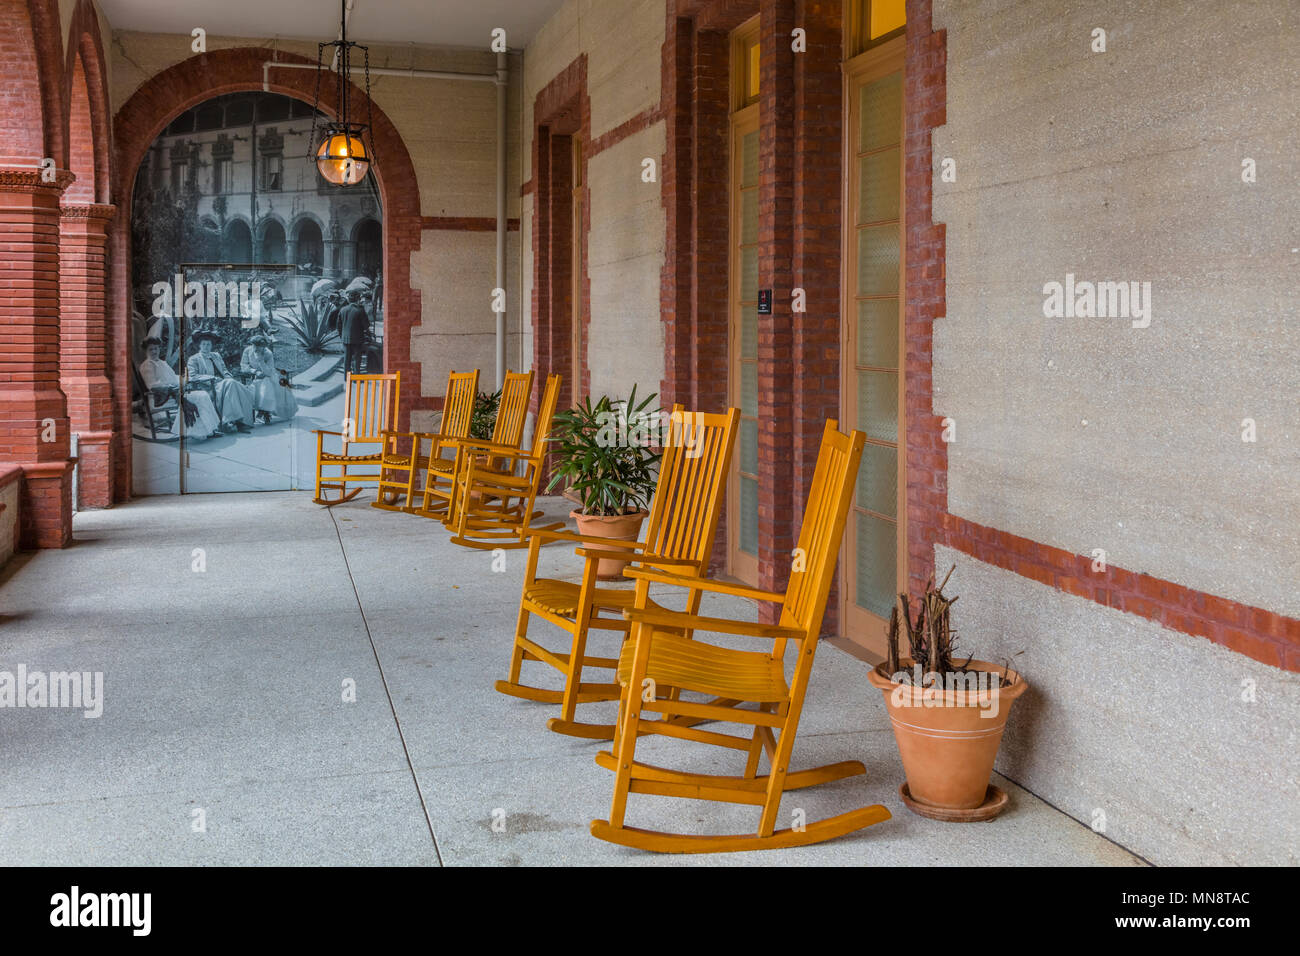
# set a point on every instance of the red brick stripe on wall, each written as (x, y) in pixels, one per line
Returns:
(1252, 631)
(466, 223)
(1258, 633)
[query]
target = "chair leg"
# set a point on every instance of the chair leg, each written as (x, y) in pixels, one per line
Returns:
(756, 747)
(630, 715)
(517, 654)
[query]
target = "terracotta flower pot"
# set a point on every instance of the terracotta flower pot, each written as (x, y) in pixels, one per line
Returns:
(949, 737)
(618, 527)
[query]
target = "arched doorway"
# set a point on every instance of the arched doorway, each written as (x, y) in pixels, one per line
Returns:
(272, 247)
(233, 359)
(238, 242)
(367, 236)
(309, 247)
(173, 91)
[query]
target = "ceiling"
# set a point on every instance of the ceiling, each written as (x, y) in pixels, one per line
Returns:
(467, 23)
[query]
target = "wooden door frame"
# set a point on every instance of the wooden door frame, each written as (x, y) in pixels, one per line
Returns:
(742, 566)
(857, 625)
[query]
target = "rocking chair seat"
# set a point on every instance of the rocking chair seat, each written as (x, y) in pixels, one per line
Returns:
(373, 459)
(677, 661)
(561, 598)
(397, 460)
(443, 465)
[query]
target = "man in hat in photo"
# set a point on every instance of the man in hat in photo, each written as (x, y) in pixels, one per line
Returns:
(158, 377)
(354, 329)
(234, 400)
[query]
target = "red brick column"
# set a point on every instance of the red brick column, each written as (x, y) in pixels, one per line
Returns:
(83, 329)
(818, 176)
(777, 514)
(34, 428)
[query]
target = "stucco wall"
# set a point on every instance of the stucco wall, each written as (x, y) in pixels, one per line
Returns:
(1126, 165)
(623, 42)
(1180, 750)
(1087, 433)
(449, 129)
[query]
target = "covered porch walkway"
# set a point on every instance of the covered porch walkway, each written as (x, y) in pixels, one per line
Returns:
(224, 693)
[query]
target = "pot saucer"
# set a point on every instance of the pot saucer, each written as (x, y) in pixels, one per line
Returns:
(995, 801)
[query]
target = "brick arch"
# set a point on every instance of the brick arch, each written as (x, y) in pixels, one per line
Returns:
(169, 93)
(31, 123)
(85, 92)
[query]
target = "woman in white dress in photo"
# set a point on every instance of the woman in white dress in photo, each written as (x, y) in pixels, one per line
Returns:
(271, 399)
(157, 374)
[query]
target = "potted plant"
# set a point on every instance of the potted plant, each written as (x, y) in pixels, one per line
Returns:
(483, 418)
(606, 455)
(948, 717)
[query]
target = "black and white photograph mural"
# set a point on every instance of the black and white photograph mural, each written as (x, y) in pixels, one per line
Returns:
(257, 285)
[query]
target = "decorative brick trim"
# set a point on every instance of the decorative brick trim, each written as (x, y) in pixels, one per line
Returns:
(32, 181)
(1253, 631)
(561, 110)
(925, 97)
(104, 211)
(172, 91)
(639, 123)
(466, 223)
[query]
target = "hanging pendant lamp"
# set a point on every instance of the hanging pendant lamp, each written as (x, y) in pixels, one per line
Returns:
(345, 151)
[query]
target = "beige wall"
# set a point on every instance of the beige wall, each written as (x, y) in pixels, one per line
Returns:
(623, 41)
(449, 129)
(1088, 433)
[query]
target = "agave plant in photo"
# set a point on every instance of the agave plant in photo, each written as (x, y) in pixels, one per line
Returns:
(310, 328)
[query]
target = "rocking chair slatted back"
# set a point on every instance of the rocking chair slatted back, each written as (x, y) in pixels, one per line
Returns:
(823, 522)
(545, 416)
(513, 410)
(370, 407)
(458, 406)
(692, 473)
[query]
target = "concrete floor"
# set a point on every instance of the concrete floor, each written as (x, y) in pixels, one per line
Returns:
(223, 706)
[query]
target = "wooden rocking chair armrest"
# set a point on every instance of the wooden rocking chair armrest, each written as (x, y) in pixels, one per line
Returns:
(663, 561)
(491, 447)
(663, 617)
(704, 584)
(583, 539)
(322, 431)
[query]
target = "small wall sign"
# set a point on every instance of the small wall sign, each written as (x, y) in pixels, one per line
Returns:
(764, 301)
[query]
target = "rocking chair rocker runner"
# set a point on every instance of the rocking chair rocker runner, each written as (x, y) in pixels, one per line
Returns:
(369, 412)
(661, 652)
(683, 520)
(399, 468)
(493, 507)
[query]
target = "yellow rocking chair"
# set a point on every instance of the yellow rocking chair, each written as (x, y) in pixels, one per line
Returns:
(494, 506)
(507, 433)
(661, 652)
(683, 522)
(370, 409)
(401, 468)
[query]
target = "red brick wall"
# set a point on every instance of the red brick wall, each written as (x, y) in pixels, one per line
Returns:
(561, 110)
(202, 77)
